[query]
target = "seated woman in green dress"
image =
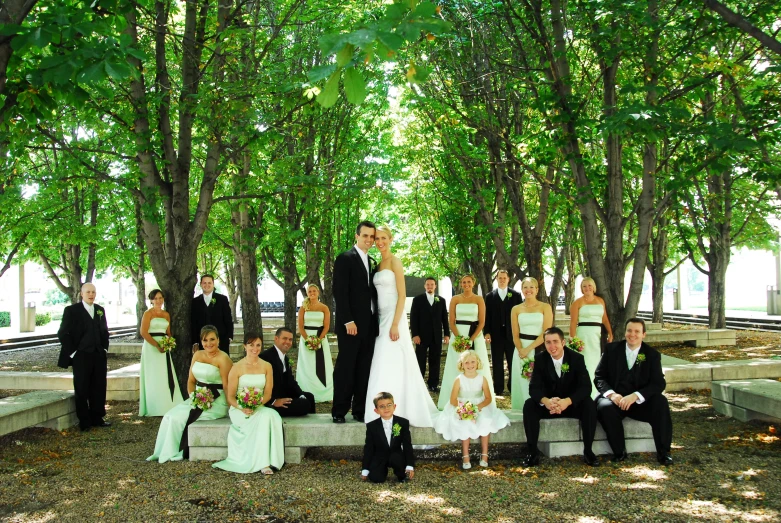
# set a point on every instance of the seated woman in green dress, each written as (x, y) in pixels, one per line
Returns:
(255, 440)
(209, 369)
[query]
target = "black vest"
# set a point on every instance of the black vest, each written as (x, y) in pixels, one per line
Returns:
(90, 342)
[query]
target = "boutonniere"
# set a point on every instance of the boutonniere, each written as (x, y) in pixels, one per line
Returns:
(509, 294)
(99, 313)
(436, 299)
(640, 359)
(565, 368)
(396, 430)
(213, 302)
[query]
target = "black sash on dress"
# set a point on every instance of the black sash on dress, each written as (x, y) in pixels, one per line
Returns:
(169, 364)
(195, 413)
(319, 357)
(472, 329)
(602, 335)
(529, 337)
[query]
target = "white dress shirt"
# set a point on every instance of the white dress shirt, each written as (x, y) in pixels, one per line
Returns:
(282, 358)
(91, 312)
(557, 363)
(502, 293)
(365, 258)
(631, 358)
(430, 298)
(387, 426)
(208, 298)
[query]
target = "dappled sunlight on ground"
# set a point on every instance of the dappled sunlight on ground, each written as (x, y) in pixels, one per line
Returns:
(710, 510)
(643, 472)
(682, 402)
(586, 480)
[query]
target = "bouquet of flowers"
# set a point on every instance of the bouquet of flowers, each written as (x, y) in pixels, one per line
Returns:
(168, 343)
(313, 342)
(528, 368)
(576, 344)
(203, 398)
(462, 343)
(249, 398)
(467, 411)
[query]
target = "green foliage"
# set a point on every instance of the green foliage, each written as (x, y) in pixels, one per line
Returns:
(56, 297)
(5, 319)
(42, 319)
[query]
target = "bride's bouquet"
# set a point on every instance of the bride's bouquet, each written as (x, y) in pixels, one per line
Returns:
(462, 343)
(467, 411)
(528, 368)
(203, 398)
(168, 343)
(250, 398)
(313, 342)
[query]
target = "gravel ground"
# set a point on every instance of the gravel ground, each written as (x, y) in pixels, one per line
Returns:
(724, 472)
(749, 344)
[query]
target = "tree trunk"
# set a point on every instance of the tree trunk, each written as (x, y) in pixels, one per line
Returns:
(717, 278)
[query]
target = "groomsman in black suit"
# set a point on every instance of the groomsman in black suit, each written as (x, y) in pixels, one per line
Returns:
(287, 398)
(211, 308)
(388, 444)
(630, 380)
(428, 318)
(84, 337)
(560, 387)
(356, 325)
(498, 329)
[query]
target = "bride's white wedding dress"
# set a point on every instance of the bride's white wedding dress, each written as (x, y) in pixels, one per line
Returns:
(394, 365)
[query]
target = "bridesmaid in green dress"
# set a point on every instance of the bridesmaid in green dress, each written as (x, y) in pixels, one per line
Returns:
(529, 320)
(588, 316)
(315, 369)
(255, 439)
(209, 368)
(159, 388)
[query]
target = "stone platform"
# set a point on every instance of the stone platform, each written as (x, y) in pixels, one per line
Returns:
(700, 375)
(44, 408)
(748, 399)
(561, 437)
(122, 384)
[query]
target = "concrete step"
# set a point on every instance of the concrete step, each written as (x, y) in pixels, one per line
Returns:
(561, 437)
(700, 375)
(748, 399)
(43, 408)
(121, 385)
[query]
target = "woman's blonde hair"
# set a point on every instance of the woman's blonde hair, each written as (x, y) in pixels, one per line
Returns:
(531, 280)
(384, 228)
(469, 275)
(306, 303)
(589, 279)
(464, 356)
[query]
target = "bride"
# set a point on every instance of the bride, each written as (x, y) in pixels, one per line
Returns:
(394, 366)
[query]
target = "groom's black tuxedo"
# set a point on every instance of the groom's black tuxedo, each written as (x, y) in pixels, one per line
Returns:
(355, 298)
(286, 386)
(86, 338)
(574, 384)
(645, 377)
(429, 321)
(378, 455)
(217, 313)
(498, 326)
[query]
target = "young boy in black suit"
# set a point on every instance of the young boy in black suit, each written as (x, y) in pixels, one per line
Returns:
(388, 444)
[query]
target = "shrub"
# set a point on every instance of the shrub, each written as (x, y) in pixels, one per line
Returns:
(5, 319)
(42, 319)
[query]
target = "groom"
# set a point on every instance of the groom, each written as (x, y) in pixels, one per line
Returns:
(356, 324)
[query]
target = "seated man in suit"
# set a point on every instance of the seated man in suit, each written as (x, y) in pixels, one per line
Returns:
(388, 444)
(559, 387)
(287, 398)
(630, 381)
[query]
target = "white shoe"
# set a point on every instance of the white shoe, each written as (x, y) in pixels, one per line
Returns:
(466, 465)
(483, 463)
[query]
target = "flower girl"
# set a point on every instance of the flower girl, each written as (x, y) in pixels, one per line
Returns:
(470, 414)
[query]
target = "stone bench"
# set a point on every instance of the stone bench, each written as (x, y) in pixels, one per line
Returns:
(43, 408)
(701, 375)
(121, 385)
(748, 399)
(562, 437)
(563, 324)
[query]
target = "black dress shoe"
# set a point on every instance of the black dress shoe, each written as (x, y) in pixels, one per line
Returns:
(532, 459)
(591, 460)
(338, 419)
(358, 417)
(618, 458)
(101, 423)
(664, 458)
